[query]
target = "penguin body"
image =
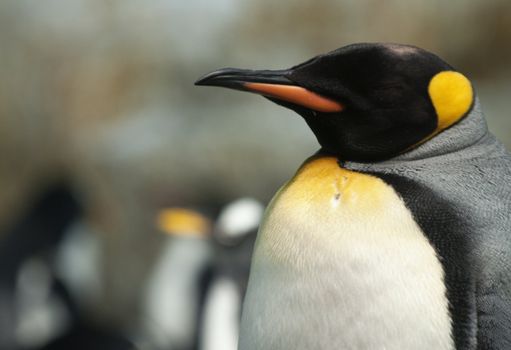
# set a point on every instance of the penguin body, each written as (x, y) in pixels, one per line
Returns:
(379, 248)
(397, 234)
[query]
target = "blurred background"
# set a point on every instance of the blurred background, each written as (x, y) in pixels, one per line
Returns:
(101, 129)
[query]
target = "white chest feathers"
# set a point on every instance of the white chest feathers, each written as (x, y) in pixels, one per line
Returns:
(341, 264)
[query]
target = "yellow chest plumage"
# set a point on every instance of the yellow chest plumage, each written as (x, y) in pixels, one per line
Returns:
(323, 201)
(323, 182)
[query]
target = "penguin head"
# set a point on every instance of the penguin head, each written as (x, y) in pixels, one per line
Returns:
(364, 102)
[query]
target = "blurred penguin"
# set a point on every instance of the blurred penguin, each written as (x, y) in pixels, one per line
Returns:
(78, 267)
(235, 233)
(27, 285)
(48, 272)
(175, 289)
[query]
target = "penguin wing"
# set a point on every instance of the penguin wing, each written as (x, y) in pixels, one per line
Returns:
(493, 295)
(446, 232)
(494, 319)
(476, 262)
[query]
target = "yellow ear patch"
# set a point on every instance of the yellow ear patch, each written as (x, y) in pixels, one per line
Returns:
(183, 222)
(452, 95)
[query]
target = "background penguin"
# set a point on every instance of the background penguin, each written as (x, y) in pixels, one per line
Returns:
(234, 237)
(175, 290)
(44, 280)
(396, 234)
(31, 241)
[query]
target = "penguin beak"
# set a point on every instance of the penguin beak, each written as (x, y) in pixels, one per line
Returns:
(273, 84)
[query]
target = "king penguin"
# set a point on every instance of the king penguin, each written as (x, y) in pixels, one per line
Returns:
(397, 233)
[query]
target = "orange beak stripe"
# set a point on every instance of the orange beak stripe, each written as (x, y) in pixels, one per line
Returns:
(297, 95)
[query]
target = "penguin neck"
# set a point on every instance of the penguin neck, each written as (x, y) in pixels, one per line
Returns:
(467, 133)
